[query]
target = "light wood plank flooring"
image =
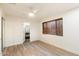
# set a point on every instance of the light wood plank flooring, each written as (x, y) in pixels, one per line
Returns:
(37, 48)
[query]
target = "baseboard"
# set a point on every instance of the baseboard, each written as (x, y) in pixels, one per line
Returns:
(13, 44)
(33, 40)
(17, 43)
(70, 51)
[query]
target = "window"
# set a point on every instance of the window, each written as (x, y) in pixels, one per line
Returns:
(54, 27)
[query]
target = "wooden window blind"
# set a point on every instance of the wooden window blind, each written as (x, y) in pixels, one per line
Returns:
(53, 27)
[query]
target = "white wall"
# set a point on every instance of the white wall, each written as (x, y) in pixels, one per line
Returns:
(34, 30)
(70, 39)
(14, 30)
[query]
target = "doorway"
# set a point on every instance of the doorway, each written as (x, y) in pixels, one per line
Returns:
(27, 32)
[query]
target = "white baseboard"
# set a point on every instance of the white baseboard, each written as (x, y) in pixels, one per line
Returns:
(75, 52)
(32, 40)
(13, 44)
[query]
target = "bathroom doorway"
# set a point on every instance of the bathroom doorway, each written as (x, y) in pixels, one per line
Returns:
(27, 32)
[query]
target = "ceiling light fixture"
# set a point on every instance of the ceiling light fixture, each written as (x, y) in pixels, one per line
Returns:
(31, 14)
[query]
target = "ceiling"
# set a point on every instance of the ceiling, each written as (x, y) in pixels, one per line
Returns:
(44, 9)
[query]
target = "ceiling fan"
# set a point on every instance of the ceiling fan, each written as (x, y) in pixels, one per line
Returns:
(33, 11)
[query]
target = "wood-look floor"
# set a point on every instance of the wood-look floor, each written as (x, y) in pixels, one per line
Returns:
(36, 48)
